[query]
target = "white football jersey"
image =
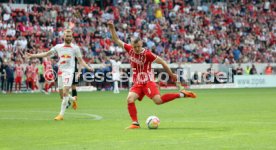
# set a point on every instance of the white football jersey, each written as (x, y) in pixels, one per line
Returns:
(66, 56)
(115, 66)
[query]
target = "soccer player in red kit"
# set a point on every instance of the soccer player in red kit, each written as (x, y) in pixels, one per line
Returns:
(29, 79)
(18, 76)
(34, 76)
(141, 60)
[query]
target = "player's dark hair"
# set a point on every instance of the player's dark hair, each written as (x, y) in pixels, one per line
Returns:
(135, 40)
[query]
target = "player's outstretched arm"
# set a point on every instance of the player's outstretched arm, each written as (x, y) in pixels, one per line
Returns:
(39, 55)
(160, 61)
(114, 35)
(84, 64)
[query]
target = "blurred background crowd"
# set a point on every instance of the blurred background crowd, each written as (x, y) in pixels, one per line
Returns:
(185, 31)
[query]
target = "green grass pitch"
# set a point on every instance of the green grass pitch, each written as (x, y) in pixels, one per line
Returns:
(225, 119)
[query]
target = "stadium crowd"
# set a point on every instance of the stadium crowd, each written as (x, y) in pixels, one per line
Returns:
(242, 32)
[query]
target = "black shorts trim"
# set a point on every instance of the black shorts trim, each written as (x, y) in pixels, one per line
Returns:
(75, 81)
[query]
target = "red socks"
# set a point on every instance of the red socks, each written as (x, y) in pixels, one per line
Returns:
(132, 112)
(169, 97)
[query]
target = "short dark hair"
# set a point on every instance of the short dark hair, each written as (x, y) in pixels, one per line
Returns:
(135, 39)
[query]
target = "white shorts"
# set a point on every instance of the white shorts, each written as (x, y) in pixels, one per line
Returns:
(116, 77)
(65, 80)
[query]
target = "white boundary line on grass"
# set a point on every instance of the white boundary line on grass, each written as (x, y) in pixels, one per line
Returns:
(92, 116)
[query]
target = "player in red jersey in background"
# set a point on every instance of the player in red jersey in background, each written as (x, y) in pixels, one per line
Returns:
(141, 60)
(48, 74)
(34, 75)
(18, 76)
(29, 79)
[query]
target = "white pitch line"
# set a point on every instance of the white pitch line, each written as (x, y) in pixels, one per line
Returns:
(93, 116)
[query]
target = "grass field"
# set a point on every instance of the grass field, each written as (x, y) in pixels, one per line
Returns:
(225, 119)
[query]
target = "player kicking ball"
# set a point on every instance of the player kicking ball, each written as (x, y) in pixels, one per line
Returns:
(141, 60)
(66, 53)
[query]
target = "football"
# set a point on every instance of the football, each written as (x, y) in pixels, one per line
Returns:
(152, 122)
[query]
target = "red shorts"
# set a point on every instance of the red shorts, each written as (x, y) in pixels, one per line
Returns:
(29, 79)
(18, 79)
(149, 89)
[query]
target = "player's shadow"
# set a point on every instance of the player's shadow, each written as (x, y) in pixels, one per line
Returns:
(218, 129)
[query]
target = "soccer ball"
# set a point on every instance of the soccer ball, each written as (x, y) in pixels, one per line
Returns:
(152, 122)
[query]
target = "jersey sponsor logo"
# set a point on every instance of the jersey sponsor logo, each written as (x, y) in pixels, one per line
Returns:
(63, 62)
(137, 61)
(65, 56)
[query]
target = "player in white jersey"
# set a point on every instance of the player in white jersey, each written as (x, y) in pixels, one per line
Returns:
(116, 73)
(66, 53)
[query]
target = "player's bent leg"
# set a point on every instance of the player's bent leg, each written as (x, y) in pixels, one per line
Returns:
(157, 99)
(172, 96)
(63, 103)
(153, 93)
(73, 97)
(132, 110)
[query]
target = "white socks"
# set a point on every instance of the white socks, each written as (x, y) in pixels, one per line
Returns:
(116, 88)
(63, 105)
(71, 98)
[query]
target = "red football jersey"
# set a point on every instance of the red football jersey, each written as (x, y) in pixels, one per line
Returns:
(29, 71)
(32, 72)
(141, 64)
(18, 71)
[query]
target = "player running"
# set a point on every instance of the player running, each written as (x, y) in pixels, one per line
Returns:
(29, 80)
(34, 77)
(76, 77)
(66, 53)
(141, 60)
